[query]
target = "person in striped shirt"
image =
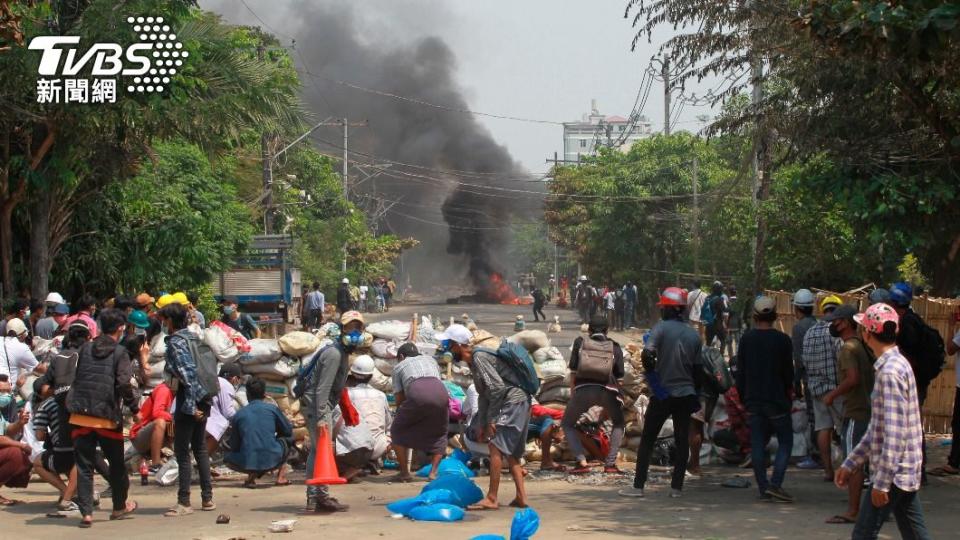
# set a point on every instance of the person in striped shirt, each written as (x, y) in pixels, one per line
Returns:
(894, 437)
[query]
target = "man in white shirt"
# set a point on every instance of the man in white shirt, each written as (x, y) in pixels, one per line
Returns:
(16, 359)
(371, 404)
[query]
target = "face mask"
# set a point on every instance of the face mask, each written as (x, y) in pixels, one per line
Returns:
(352, 339)
(26, 314)
(834, 331)
(5, 400)
(445, 345)
(229, 310)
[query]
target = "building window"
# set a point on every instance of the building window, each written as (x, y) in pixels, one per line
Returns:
(583, 143)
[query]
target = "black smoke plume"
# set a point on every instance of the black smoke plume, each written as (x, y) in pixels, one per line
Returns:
(335, 42)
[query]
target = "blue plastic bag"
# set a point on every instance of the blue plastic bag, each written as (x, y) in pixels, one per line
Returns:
(448, 466)
(460, 455)
(525, 524)
(464, 490)
(488, 537)
(436, 496)
(437, 512)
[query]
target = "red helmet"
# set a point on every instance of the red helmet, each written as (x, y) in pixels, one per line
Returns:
(673, 296)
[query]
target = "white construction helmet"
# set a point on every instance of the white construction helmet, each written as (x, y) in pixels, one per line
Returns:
(363, 365)
(55, 298)
(804, 298)
(345, 281)
(583, 278)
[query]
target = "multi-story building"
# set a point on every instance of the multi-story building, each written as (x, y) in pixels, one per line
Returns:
(581, 138)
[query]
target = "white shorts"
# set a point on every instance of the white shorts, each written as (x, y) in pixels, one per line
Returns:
(828, 417)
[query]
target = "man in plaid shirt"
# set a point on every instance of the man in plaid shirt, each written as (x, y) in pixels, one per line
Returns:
(820, 353)
(894, 437)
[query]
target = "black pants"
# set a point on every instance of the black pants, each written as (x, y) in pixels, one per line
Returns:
(714, 332)
(680, 409)
(538, 312)
(191, 433)
(954, 459)
(85, 451)
(921, 397)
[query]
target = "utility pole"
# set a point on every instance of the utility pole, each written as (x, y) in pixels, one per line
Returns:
(266, 154)
(696, 218)
(346, 182)
(666, 95)
(761, 186)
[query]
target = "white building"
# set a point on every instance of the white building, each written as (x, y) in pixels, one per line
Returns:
(581, 138)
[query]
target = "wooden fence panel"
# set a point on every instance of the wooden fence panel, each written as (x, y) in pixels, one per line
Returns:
(940, 313)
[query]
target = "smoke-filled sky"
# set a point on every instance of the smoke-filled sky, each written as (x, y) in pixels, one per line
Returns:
(542, 59)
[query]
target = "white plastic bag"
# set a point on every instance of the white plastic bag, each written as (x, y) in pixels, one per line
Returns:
(531, 340)
(552, 369)
(262, 351)
(390, 330)
(547, 353)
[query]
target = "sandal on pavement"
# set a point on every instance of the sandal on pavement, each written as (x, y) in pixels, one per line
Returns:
(178, 511)
(125, 513)
(581, 470)
(841, 519)
(555, 468)
(208, 506)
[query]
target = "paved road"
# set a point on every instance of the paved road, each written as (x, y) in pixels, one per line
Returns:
(567, 510)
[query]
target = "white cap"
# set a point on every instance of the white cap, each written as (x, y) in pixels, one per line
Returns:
(345, 281)
(55, 298)
(17, 327)
(363, 365)
(457, 333)
(583, 278)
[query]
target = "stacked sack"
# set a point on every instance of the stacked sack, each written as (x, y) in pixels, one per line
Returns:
(157, 361)
(550, 364)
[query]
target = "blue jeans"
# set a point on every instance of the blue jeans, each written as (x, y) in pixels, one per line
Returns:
(762, 425)
(905, 506)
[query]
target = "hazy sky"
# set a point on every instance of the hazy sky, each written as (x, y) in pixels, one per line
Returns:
(543, 59)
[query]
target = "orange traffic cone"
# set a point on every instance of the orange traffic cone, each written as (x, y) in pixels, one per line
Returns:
(324, 467)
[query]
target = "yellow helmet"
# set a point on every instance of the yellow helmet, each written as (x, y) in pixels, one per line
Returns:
(164, 301)
(180, 298)
(832, 300)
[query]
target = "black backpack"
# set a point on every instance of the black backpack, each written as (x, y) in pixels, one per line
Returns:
(206, 366)
(933, 355)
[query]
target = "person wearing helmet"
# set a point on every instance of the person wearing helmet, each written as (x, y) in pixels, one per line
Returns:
(344, 300)
(260, 439)
(820, 354)
(893, 442)
(765, 384)
(921, 344)
(422, 409)
(241, 322)
(324, 385)
(879, 296)
(673, 351)
(371, 404)
(803, 304)
(583, 299)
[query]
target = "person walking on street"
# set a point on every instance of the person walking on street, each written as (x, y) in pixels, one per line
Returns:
(313, 306)
(101, 385)
(764, 383)
(893, 441)
(324, 384)
(820, 351)
(597, 365)
(673, 353)
(715, 315)
(803, 302)
(192, 409)
(856, 384)
(734, 324)
(629, 304)
(344, 300)
(538, 301)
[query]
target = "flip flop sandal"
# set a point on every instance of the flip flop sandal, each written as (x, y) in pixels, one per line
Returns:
(281, 484)
(555, 468)
(126, 513)
(481, 508)
(942, 471)
(178, 511)
(840, 520)
(581, 470)
(85, 524)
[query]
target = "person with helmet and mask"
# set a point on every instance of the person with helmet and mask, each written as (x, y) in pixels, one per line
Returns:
(922, 346)
(371, 403)
(803, 303)
(326, 382)
(764, 384)
(503, 413)
(673, 352)
(821, 351)
(893, 441)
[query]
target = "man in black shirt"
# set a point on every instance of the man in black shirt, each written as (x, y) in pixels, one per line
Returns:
(765, 382)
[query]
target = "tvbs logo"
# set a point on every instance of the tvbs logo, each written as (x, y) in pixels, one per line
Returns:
(147, 65)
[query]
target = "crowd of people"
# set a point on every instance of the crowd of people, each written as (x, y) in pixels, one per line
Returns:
(864, 377)
(370, 296)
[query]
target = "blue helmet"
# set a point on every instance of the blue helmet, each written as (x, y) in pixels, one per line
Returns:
(901, 294)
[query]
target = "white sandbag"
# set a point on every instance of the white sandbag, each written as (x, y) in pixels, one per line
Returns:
(531, 340)
(426, 333)
(547, 353)
(158, 346)
(383, 348)
(390, 330)
(552, 368)
(262, 351)
(329, 330)
(385, 365)
(43, 347)
(381, 382)
(282, 369)
(220, 343)
(298, 343)
(427, 349)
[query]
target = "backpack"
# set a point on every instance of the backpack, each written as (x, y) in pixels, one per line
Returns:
(206, 366)
(707, 316)
(519, 361)
(715, 370)
(933, 356)
(596, 361)
(305, 374)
